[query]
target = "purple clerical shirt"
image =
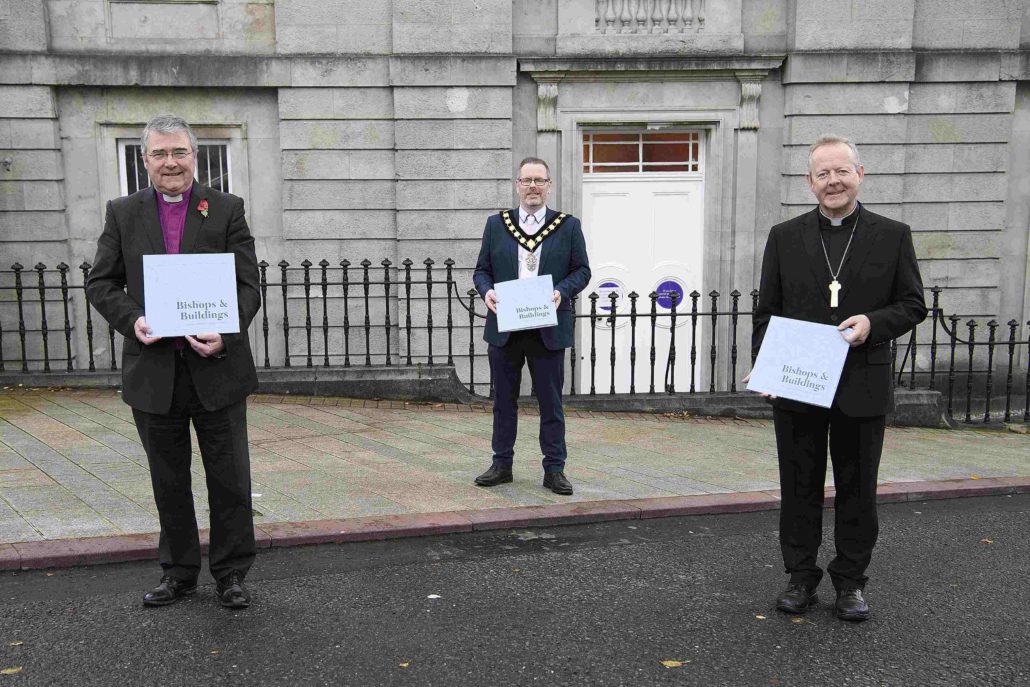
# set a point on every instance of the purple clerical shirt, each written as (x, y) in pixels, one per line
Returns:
(173, 220)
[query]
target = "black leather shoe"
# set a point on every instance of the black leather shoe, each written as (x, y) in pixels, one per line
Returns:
(797, 598)
(558, 483)
(494, 476)
(851, 605)
(169, 591)
(231, 591)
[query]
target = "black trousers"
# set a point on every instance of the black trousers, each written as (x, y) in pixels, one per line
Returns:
(222, 438)
(855, 445)
(547, 368)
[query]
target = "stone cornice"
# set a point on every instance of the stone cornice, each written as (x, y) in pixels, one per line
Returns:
(648, 68)
(253, 71)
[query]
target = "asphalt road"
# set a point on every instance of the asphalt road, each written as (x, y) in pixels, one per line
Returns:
(587, 605)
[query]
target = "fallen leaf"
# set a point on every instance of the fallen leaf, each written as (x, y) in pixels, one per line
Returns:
(986, 541)
(11, 671)
(674, 664)
(760, 617)
(16, 642)
(974, 477)
(405, 664)
(798, 620)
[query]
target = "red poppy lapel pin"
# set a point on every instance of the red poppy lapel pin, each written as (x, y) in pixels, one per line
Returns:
(202, 207)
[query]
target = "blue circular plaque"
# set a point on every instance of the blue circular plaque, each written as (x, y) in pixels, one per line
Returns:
(665, 291)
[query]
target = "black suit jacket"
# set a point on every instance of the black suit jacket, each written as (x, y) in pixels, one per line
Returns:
(879, 278)
(563, 255)
(132, 229)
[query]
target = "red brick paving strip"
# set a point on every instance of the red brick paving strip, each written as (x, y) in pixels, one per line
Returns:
(130, 547)
(10, 559)
(552, 514)
(68, 553)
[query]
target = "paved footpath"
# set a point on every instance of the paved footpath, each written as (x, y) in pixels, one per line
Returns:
(75, 488)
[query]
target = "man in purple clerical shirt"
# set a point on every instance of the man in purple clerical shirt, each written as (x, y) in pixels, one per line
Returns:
(203, 379)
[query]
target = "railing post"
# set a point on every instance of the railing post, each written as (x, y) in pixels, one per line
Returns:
(19, 297)
(734, 315)
(366, 285)
(428, 262)
(633, 296)
(307, 305)
(1026, 401)
(263, 276)
(670, 387)
(1008, 377)
(324, 264)
(714, 295)
(43, 329)
(971, 324)
(63, 269)
(951, 367)
(387, 325)
(593, 334)
(407, 299)
(345, 283)
(754, 309)
(935, 313)
(694, 296)
(449, 264)
(654, 324)
(110, 336)
(613, 297)
(992, 328)
(283, 265)
(573, 361)
(85, 268)
(472, 339)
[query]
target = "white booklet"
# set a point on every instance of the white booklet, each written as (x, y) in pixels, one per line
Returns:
(799, 360)
(192, 293)
(525, 304)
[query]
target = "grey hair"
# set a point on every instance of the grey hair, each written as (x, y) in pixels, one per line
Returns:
(166, 124)
(831, 139)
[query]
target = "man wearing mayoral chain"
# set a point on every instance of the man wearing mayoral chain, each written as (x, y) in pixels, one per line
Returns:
(170, 382)
(529, 241)
(843, 265)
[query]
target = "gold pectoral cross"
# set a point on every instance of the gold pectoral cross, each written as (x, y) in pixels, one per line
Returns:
(834, 290)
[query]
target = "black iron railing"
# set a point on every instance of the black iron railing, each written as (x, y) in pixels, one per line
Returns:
(347, 314)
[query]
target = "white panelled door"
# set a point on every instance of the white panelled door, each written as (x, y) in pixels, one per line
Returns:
(644, 233)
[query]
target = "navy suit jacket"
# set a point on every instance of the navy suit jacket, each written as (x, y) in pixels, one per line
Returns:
(563, 255)
(132, 229)
(880, 279)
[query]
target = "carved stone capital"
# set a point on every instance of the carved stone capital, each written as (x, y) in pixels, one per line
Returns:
(750, 92)
(547, 103)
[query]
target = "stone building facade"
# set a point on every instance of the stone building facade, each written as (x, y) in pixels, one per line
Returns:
(387, 129)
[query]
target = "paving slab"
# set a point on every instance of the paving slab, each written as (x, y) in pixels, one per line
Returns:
(73, 474)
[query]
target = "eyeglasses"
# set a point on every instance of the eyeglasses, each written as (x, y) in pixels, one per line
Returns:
(162, 155)
(533, 182)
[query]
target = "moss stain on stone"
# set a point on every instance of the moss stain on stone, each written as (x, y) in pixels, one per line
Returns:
(259, 25)
(943, 131)
(769, 19)
(323, 136)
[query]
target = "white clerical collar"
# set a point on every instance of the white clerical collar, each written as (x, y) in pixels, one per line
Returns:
(538, 216)
(172, 199)
(837, 221)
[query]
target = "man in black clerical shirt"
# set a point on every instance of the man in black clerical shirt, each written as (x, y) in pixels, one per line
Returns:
(843, 265)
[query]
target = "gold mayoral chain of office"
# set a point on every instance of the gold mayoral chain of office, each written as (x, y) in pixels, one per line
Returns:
(530, 243)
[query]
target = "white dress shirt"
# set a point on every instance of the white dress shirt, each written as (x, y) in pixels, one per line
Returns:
(531, 224)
